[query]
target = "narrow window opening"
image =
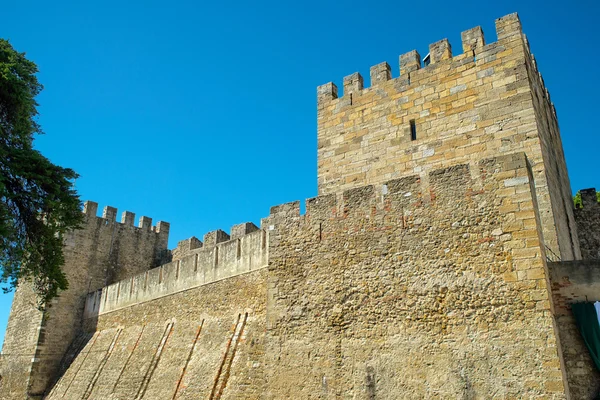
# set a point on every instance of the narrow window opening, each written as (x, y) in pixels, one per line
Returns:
(413, 130)
(350, 98)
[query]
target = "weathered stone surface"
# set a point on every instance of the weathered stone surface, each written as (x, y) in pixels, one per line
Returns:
(420, 271)
(101, 252)
(489, 100)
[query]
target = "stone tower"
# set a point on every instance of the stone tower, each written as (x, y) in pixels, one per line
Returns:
(99, 253)
(487, 101)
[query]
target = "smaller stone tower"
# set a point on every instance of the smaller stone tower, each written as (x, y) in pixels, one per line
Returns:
(100, 253)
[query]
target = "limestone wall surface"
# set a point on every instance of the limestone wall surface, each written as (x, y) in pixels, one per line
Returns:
(195, 268)
(573, 282)
(588, 225)
(101, 251)
(476, 104)
(414, 291)
(202, 343)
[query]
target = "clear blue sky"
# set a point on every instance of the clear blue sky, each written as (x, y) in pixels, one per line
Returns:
(204, 114)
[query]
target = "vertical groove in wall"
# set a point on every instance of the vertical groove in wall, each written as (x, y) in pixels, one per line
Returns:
(224, 370)
(77, 346)
(154, 362)
(223, 359)
(90, 388)
(187, 361)
(128, 358)
(82, 362)
(228, 370)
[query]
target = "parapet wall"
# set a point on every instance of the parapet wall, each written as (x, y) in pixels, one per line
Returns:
(101, 251)
(220, 257)
(455, 110)
(587, 218)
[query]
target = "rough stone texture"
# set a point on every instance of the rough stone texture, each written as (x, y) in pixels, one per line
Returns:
(588, 225)
(213, 347)
(420, 271)
(100, 253)
(488, 101)
(575, 281)
(422, 292)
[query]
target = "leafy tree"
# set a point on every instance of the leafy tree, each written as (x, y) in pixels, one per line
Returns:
(38, 201)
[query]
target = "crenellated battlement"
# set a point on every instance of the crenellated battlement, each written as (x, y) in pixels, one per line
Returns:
(222, 256)
(109, 215)
(440, 54)
(194, 264)
(407, 194)
(212, 239)
(454, 109)
(589, 199)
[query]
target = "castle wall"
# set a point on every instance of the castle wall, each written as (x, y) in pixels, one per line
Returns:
(424, 289)
(197, 267)
(415, 290)
(573, 282)
(556, 197)
(101, 251)
(476, 104)
(588, 225)
(205, 342)
(20, 342)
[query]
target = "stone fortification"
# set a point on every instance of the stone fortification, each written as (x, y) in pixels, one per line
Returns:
(420, 271)
(242, 253)
(489, 100)
(99, 253)
(346, 302)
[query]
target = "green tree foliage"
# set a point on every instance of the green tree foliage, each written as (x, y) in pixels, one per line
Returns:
(38, 201)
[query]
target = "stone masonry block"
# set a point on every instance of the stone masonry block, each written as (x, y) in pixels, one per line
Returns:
(187, 245)
(214, 237)
(127, 218)
(327, 92)
(380, 73)
(240, 230)
(353, 83)
(109, 213)
(409, 62)
(145, 223)
(440, 50)
(163, 227)
(507, 26)
(472, 39)
(90, 208)
(588, 198)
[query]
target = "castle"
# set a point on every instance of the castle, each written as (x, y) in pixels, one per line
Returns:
(439, 260)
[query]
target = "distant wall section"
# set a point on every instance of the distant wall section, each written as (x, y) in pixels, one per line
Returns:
(588, 225)
(95, 255)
